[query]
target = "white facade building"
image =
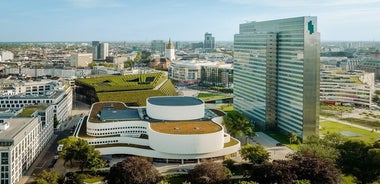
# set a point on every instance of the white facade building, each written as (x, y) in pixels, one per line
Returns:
(80, 59)
(46, 92)
(158, 131)
(6, 56)
(346, 87)
(21, 141)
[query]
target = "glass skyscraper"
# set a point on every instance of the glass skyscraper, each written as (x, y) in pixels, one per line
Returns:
(276, 74)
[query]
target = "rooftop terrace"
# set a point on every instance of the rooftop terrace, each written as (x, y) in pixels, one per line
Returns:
(186, 127)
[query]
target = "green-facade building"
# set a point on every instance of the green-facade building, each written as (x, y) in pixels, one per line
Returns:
(276, 74)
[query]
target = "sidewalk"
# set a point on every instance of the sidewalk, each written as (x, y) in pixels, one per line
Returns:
(41, 157)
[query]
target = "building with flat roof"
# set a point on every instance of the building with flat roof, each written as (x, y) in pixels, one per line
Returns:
(21, 141)
(276, 74)
(44, 92)
(351, 88)
(169, 129)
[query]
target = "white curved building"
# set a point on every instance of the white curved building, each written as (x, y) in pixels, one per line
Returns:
(169, 128)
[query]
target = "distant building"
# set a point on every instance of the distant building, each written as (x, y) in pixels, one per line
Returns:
(198, 45)
(340, 87)
(370, 65)
(100, 50)
(217, 75)
(6, 56)
(190, 71)
(80, 59)
(170, 51)
(209, 42)
(276, 74)
(159, 63)
(157, 46)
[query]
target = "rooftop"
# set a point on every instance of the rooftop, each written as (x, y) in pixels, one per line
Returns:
(175, 101)
(15, 125)
(186, 127)
(109, 114)
(29, 110)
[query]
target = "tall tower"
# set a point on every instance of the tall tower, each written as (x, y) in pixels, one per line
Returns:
(209, 42)
(103, 51)
(100, 50)
(276, 74)
(170, 51)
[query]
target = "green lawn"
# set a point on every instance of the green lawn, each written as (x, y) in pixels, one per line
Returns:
(327, 126)
(213, 96)
(94, 179)
(227, 108)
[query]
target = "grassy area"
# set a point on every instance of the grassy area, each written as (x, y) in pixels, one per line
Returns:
(227, 108)
(364, 122)
(337, 108)
(282, 139)
(330, 127)
(232, 142)
(93, 179)
(212, 96)
(175, 178)
(29, 110)
(348, 179)
(186, 127)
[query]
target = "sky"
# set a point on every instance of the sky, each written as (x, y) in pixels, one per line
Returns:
(180, 20)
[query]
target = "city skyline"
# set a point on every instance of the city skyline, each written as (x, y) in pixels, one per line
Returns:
(117, 20)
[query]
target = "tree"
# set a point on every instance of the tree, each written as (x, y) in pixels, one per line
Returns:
(360, 159)
(138, 57)
(278, 171)
(315, 170)
(256, 154)
(133, 170)
(293, 138)
(56, 122)
(237, 124)
(209, 173)
(47, 177)
(298, 168)
(321, 148)
(80, 150)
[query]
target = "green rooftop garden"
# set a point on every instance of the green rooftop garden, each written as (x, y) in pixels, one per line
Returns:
(213, 96)
(124, 82)
(29, 110)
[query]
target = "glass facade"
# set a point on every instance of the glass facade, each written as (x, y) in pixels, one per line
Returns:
(276, 77)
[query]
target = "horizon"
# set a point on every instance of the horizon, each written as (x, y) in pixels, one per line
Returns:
(143, 21)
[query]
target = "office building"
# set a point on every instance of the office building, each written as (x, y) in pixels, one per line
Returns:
(370, 65)
(209, 42)
(80, 59)
(348, 88)
(100, 50)
(6, 55)
(157, 46)
(276, 74)
(45, 92)
(22, 139)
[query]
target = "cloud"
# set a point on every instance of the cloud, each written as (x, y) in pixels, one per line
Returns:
(95, 3)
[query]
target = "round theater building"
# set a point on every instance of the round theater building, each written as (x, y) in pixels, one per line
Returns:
(169, 128)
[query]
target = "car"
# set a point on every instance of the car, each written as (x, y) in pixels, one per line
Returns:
(280, 144)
